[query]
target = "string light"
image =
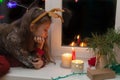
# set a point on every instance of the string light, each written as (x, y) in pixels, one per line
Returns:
(13, 4)
(1, 16)
(1, 1)
(76, 1)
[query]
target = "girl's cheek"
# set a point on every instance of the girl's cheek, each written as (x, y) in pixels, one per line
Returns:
(44, 35)
(38, 34)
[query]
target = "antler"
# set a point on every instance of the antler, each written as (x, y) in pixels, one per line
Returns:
(50, 13)
(55, 15)
(57, 10)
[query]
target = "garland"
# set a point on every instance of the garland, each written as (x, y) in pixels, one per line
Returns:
(61, 77)
(114, 67)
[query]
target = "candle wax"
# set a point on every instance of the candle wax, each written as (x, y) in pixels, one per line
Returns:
(73, 54)
(66, 60)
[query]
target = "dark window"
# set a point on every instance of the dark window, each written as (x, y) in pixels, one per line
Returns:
(83, 17)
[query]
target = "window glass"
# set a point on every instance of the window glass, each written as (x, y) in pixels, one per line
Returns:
(83, 17)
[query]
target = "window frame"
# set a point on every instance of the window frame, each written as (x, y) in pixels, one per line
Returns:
(55, 33)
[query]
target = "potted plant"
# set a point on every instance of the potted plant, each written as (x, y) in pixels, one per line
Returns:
(103, 47)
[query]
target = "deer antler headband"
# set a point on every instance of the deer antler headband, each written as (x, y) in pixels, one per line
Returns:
(51, 13)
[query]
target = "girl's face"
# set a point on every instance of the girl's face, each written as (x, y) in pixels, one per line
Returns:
(41, 30)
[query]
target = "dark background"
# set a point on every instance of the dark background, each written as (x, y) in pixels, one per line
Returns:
(85, 17)
(11, 14)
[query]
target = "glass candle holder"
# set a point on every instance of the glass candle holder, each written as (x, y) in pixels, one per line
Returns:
(77, 66)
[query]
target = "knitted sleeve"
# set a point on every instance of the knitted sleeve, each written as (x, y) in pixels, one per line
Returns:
(11, 45)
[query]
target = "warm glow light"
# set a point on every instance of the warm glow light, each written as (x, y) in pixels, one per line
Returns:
(83, 44)
(77, 61)
(76, 1)
(66, 54)
(73, 50)
(78, 40)
(77, 66)
(72, 44)
(66, 60)
(78, 36)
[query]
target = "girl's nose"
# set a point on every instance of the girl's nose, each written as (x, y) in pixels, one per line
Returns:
(46, 34)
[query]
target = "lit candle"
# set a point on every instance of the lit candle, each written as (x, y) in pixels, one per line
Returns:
(73, 53)
(66, 60)
(77, 66)
(78, 39)
(73, 44)
(82, 44)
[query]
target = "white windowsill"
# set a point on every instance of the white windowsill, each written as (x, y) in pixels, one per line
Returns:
(49, 71)
(46, 73)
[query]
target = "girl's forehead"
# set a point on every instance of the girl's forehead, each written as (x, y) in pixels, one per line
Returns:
(45, 25)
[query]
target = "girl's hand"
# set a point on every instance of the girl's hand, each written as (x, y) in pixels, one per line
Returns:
(40, 41)
(37, 63)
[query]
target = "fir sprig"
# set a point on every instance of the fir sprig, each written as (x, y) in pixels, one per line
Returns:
(104, 44)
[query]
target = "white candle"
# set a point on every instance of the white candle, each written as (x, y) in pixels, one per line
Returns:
(77, 66)
(66, 60)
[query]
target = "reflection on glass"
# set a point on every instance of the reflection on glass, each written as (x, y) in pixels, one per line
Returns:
(83, 17)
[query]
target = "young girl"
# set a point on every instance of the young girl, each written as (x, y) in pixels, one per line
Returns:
(24, 42)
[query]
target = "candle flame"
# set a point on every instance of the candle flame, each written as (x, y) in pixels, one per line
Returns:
(73, 48)
(78, 36)
(83, 44)
(72, 44)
